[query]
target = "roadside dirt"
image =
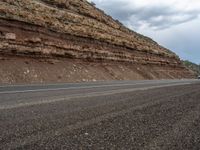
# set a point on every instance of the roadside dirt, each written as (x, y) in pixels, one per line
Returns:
(21, 70)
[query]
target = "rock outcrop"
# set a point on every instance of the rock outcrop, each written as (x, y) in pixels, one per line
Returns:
(75, 29)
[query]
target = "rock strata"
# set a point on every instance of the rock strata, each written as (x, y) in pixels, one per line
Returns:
(75, 29)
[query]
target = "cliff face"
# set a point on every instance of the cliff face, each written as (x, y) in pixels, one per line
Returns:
(74, 29)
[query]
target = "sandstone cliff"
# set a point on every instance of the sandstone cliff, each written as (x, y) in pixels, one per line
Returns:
(71, 30)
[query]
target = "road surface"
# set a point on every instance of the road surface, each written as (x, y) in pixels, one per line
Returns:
(120, 115)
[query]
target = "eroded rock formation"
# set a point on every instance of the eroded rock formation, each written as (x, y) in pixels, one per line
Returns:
(75, 29)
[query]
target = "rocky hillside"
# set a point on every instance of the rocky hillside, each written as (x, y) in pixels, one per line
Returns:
(76, 30)
(192, 66)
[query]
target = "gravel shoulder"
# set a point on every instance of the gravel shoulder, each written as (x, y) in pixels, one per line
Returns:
(163, 118)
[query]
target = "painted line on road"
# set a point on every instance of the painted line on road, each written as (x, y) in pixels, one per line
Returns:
(61, 84)
(79, 83)
(93, 94)
(72, 88)
(98, 82)
(83, 87)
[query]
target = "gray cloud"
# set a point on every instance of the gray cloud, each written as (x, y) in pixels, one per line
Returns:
(154, 16)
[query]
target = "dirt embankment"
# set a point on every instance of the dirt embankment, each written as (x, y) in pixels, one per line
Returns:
(30, 70)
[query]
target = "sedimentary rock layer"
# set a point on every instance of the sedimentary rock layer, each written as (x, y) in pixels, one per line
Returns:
(75, 29)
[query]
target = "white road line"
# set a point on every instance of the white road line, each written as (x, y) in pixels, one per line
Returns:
(60, 84)
(93, 94)
(72, 88)
(69, 88)
(98, 82)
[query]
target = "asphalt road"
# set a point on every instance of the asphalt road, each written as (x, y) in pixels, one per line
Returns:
(103, 115)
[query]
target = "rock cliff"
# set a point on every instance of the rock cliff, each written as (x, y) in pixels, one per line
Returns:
(76, 30)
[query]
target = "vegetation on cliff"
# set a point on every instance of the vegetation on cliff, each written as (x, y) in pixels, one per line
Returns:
(192, 66)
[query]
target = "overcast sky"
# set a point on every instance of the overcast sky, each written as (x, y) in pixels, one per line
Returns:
(174, 24)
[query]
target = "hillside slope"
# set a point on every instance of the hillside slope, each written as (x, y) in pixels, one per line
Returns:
(192, 66)
(74, 32)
